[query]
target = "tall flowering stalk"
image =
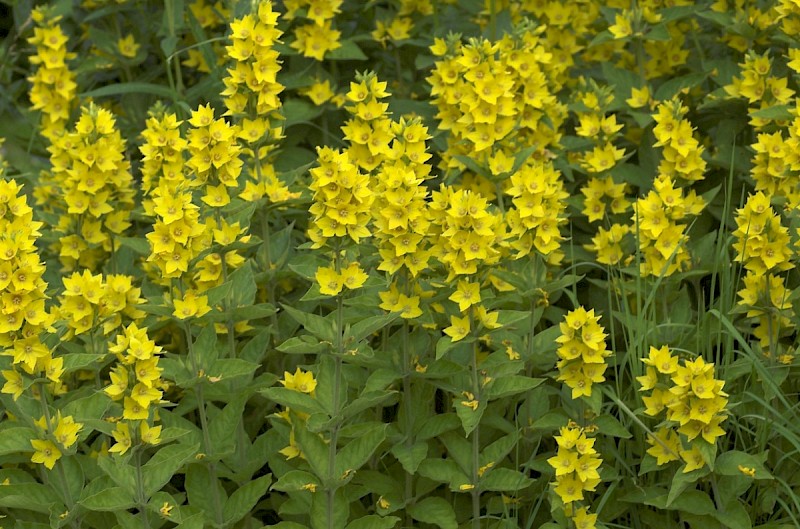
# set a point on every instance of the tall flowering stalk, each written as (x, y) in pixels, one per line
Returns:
(53, 87)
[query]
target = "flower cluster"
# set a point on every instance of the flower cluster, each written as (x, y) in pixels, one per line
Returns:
(493, 98)
(341, 210)
(682, 153)
(89, 303)
(59, 433)
(23, 315)
(582, 351)
(162, 153)
(576, 464)
(759, 87)
(662, 238)
(92, 175)
(213, 156)
(401, 215)
(693, 400)
(468, 233)
(369, 130)
(253, 76)
(136, 381)
(776, 165)
(53, 83)
(317, 37)
(539, 200)
(608, 245)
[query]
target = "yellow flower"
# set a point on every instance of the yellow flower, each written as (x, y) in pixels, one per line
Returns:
(693, 458)
(46, 453)
(330, 283)
(14, 384)
(127, 46)
(122, 436)
(191, 306)
(353, 276)
(466, 295)
(150, 434)
(569, 488)
(584, 520)
(302, 381)
(459, 328)
(166, 509)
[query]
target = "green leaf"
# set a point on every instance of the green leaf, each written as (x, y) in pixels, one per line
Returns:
(521, 157)
(315, 450)
(367, 401)
(225, 422)
(139, 245)
(495, 452)
(410, 456)
(112, 499)
(76, 361)
(609, 425)
(244, 285)
(681, 481)
(316, 325)
(130, 88)
(91, 408)
(243, 499)
(199, 486)
(776, 112)
(295, 480)
(472, 165)
(469, 418)
(16, 440)
(358, 451)
(734, 516)
(373, 521)
(322, 506)
(293, 399)
(434, 510)
(675, 85)
(366, 327)
(28, 496)
(512, 385)
(443, 471)
(227, 368)
(728, 463)
(120, 473)
(504, 480)
(693, 501)
(300, 345)
(348, 51)
(299, 111)
(205, 347)
(164, 464)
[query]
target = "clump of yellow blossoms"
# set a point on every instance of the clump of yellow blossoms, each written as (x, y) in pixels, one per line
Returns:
(582, 351)
(162, 153)
(64, 430)
(539, 200)
(317, 37)
(369, 130)
(758, 87)
(764, 247)
(53, 83)
(93, 177)
(341, 211)
(776, 165)
(136, 381)
(575, 464)
(694, 403)
(681, 152)
(24, 317)
(401, 215)
(251, 96)
(494, 97)
(88, 302)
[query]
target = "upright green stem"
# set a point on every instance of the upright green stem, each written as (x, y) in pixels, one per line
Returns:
(476, 392)
(408, 410)
(141, 498)
(201, 411)
(337, 381)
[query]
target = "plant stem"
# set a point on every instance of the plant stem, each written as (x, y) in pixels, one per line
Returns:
(407, 419)
(201, 411)
(475, 435)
